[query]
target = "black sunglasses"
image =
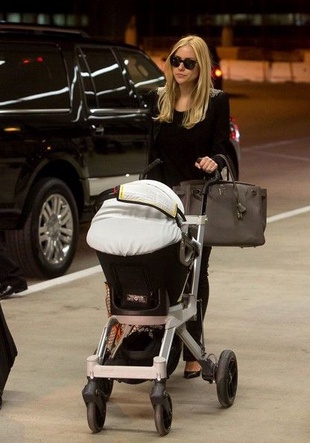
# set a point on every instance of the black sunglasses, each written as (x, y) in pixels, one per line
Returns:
(188, 63)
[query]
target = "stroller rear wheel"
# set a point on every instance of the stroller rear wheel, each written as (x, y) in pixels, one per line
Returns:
(227, 378)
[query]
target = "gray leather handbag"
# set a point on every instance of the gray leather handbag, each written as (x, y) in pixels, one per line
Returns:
(236, 212)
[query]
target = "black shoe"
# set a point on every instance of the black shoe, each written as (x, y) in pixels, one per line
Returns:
(6, 290)
(192, 374)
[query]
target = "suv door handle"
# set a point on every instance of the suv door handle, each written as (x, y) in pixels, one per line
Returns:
(98, 129)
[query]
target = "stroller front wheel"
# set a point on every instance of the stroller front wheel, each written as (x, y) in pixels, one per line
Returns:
(163, 415)
(95, 416)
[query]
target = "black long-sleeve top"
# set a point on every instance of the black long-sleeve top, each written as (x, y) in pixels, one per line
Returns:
(179, 147)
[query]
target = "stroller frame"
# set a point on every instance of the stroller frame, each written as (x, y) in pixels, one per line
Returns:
(100, 376)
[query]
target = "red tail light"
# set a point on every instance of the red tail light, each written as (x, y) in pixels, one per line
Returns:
(234, 130)
(217, 73)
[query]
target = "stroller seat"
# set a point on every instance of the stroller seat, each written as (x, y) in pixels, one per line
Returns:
(145, 284)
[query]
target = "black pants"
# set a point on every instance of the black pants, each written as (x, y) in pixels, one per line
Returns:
(8, 352)
(10, 273)
(194, 327)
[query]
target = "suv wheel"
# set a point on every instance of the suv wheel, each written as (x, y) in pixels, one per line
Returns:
(45, 247)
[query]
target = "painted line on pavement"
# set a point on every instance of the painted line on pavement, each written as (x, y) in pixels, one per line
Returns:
(60, 280)
(288, 214)
(97, 269)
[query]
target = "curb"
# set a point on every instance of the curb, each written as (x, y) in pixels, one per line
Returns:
(274, 72)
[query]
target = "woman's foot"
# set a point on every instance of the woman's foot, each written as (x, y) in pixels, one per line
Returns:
(192, 369)
(12, 286)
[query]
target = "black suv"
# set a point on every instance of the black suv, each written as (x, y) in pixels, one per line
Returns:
(73, 122)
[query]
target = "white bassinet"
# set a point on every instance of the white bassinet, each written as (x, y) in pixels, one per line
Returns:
(143, 218)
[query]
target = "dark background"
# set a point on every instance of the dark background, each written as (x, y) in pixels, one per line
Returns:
(277, 24)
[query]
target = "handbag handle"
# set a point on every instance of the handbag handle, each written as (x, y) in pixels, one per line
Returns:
(240, 207)
(228, 165)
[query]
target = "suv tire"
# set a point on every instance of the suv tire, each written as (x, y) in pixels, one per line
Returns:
(46, 245)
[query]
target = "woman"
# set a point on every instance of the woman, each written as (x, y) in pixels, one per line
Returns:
(190, 127)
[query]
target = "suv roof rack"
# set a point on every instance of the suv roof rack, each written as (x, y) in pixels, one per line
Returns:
(16, 28)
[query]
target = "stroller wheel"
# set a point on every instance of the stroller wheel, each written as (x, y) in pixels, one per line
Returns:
(163, 415)
(106, 386)
(227, 378)
(96, 416)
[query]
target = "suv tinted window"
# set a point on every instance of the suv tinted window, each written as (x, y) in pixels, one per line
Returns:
(102, 74)
(32, 78)
(143, 74)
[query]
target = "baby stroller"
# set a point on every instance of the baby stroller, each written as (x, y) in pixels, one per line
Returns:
(151, 261)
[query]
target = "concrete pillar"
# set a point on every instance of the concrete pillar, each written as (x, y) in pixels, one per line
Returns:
(131, 32)
(227, 36)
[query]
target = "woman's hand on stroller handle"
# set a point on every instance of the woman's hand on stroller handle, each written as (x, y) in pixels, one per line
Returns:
(212, 177)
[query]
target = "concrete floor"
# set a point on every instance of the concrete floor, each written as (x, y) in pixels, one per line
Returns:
(259, 307)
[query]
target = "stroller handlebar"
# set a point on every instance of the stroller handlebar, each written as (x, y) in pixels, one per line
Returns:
(149, 168)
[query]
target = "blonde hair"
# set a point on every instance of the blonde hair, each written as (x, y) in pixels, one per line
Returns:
(200, 95)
